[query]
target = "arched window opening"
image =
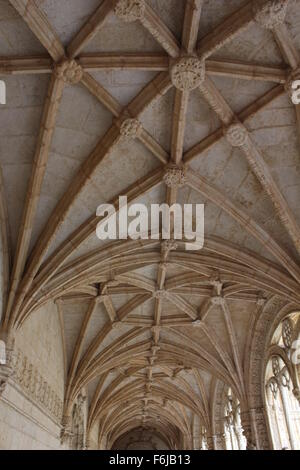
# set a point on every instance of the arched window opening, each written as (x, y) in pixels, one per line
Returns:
(281, 385)
(233, 431)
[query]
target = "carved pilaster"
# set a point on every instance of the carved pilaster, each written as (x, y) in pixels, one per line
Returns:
(160, 294)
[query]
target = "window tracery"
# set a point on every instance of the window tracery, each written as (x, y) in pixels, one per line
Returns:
(233, 431)
(282, 385)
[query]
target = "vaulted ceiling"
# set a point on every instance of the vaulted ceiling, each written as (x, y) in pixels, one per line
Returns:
(102, 98)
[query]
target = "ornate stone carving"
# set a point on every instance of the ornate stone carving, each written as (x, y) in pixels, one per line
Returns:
(275, 365)
(175, 176)
(131, 128)
(236, 134)
(130, 10)
(32, 384)
(188, 73)
(287, 333)
(270, 13)
(167, 246)
(69, 71)
(160, 294)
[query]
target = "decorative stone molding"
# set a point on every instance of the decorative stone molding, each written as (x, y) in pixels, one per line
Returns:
(188, 73)
(175, 176)
(197, 323)
(131, 129)
(293, 76)
(270, 13)
(236, 134)
(69, 71)
(32, 384)
(130, 10)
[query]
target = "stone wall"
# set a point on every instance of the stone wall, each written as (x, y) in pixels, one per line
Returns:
(31, 405)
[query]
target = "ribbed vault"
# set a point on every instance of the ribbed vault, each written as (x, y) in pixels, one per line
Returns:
(118, 95)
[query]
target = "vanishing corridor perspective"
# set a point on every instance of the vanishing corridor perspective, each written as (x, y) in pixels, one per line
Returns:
(140, 344)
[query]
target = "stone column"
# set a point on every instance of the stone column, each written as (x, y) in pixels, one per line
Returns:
(247, 430)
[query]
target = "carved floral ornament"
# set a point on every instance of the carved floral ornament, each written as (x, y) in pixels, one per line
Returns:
(69, 71)
(236, 135)
(271, 13)
(188, 73)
